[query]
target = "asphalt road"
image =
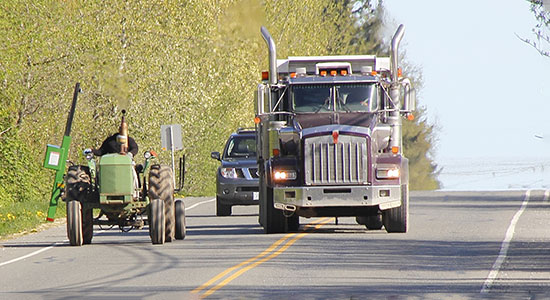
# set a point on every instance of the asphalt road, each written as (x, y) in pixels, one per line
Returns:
(460, 245)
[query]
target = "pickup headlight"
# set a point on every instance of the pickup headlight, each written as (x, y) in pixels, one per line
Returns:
(387, 173)
(229, 172)
(281, 175)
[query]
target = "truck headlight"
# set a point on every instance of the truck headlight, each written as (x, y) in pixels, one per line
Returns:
(281, 175)
(387, 173)
(228, 172)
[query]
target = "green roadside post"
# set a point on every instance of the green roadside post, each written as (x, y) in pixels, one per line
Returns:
(56, 158)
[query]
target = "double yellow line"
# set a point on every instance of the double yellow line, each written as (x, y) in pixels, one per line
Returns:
(269, 253)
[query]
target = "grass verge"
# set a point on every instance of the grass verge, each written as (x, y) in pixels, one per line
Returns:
(25, 216)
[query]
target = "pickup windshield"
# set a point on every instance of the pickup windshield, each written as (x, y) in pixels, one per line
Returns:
(241, 147)
(358, 97)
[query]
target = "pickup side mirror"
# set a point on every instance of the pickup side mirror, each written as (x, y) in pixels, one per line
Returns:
(215, 155)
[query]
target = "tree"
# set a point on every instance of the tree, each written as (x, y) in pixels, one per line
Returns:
(541, 42)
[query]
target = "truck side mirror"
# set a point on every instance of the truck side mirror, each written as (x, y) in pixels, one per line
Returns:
(409, 101)
(215, 155)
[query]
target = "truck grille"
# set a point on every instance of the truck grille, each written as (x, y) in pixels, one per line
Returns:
(327, 163)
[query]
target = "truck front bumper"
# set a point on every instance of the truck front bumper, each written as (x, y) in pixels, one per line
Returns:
(292, 198)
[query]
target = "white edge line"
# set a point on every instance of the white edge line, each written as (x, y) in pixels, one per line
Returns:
(30, 254)
(200, 203)
(504, 246)
(60, 243)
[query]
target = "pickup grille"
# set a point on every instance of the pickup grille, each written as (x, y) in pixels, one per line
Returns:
(327, 163)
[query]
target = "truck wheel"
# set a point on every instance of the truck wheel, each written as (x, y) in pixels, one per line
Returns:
(222, 209)
(74, 223)
(161, 186)
(397, 219)
(275, 221)
(157, 223)
(180, 219)
(78, 183)
(87, 225)
(371, 222)
(292, 223)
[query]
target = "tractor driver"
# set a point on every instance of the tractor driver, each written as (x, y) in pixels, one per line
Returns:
(112, 145)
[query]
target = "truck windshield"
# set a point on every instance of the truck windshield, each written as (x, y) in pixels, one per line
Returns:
(357, 97)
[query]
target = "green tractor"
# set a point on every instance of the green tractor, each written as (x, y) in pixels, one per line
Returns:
(127, 196)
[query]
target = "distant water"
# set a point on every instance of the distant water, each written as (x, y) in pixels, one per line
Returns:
(494, 173)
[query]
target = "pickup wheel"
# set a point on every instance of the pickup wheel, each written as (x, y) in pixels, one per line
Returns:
(222, 209)
(74, 223)
(180, 219)
(397, 219)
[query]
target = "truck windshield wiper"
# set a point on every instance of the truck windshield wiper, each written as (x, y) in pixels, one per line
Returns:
(327, 104)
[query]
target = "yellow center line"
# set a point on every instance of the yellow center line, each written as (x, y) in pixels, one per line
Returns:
(222, 274)
(254, 262)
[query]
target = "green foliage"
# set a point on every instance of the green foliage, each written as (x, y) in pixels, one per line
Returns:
(194, 63)
(541, 42)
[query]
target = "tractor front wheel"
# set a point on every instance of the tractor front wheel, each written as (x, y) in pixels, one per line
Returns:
(157, 221)
(74, 223)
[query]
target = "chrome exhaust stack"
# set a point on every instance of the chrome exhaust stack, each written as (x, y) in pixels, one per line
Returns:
(397, 37)
(272, 55)
(394, 119)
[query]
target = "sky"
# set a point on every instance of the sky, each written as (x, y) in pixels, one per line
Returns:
(487, 91)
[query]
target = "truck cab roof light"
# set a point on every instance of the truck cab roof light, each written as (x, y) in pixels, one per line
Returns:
(333, 72)
(323, 73)
(301, 72)
(366, 70)
(343, 72)
(292, 75)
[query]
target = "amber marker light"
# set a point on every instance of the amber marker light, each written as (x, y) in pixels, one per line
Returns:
(276, 152)
(257, 120)
(399, 72)
(323, 73)
(394, 149)
(374, 73)
(410, 117)
(292, 75)
(344, 72)
(335, 135)
(333, 73)
(265, 75)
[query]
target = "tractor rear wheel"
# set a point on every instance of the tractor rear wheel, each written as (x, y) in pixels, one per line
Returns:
(87, 225)
(78, 183)
(157, 221)
(180, 219)
(161, 186)
(74, 223)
